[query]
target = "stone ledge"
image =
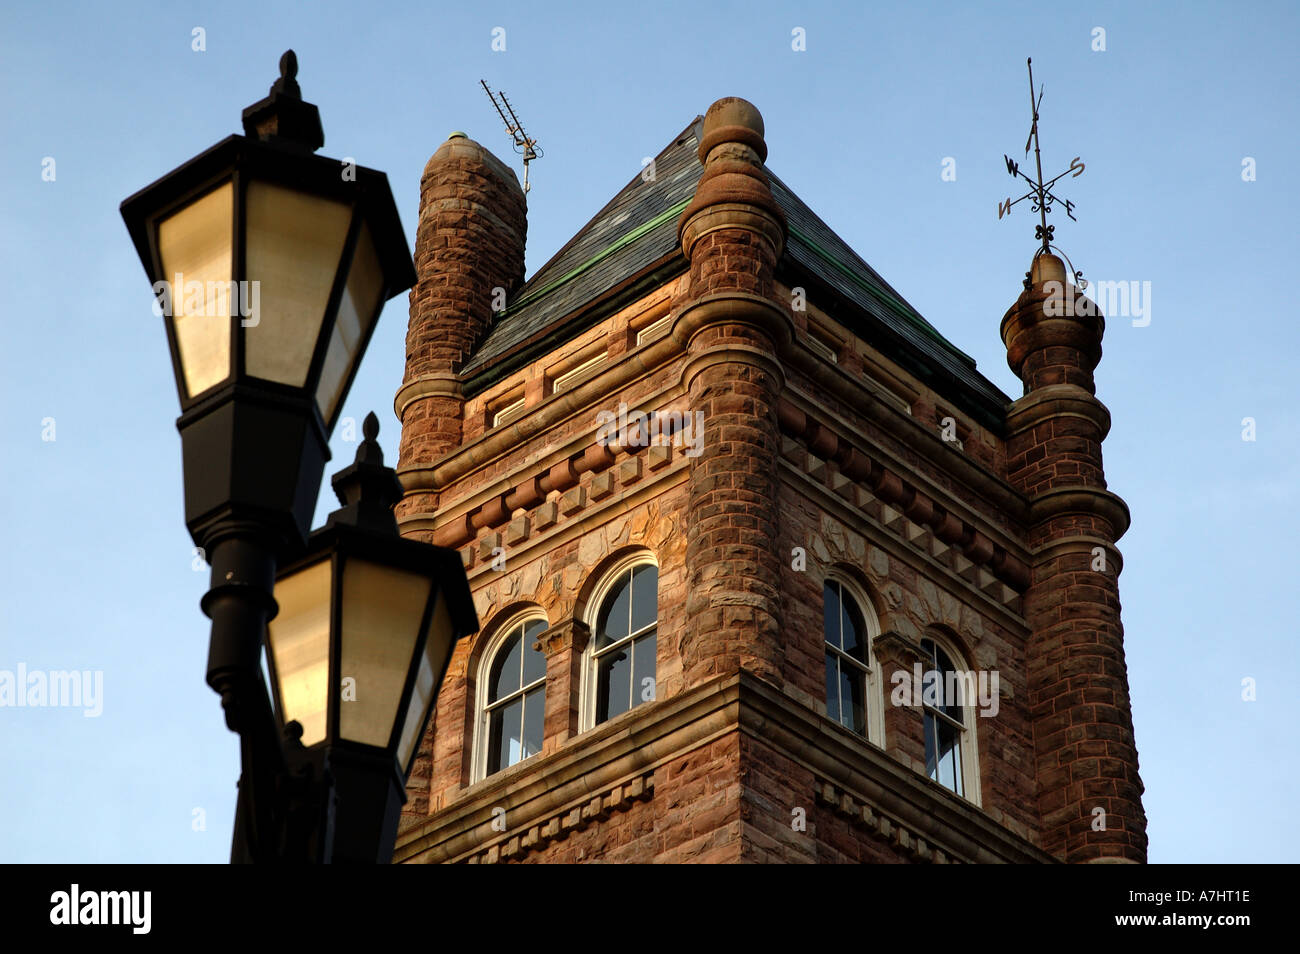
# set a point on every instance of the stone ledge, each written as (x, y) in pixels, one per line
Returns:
(544, 792)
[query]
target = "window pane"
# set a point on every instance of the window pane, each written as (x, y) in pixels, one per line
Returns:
(948, 741)
(534, 659)
(645, 596)
(853, 628)
(643, 668)
(534, 721)
(831, 613)
(958, 786)
(504, 678)
(851, 681)
(504, 741)
(832, 687)
(612, 624)
(613, 683)
(953, 688)
(931, 748)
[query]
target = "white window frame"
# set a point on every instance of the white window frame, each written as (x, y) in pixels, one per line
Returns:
(479, 755)
(969, 747)
(510, 412)
(656, 329)
(873, 698)
(591, 616)
(566, 380)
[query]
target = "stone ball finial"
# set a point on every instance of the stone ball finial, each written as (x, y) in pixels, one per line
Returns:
(732, 119)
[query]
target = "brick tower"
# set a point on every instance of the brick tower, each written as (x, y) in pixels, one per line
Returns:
(734, 515)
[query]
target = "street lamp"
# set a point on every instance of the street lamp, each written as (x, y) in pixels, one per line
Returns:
(270, 266)
(366, 626)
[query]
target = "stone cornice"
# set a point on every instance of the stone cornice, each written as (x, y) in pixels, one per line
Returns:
(440, 473)
(875, 780)
(595, 772)
(734, 307)
(532, 792)
(895, 484)
(429, 385)
(1081, 499)
(733, 215)
(731, 354)
(906, 429)
(895, 547)
(1055, 401)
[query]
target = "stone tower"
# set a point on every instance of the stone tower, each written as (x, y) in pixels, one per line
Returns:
(1078, 684)
(734, 515)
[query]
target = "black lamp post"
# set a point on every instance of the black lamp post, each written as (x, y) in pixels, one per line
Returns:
(271, 265)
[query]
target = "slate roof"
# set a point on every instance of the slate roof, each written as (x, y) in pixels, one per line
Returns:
(635, 237)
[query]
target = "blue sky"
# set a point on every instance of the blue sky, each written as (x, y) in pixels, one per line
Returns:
(97, 566)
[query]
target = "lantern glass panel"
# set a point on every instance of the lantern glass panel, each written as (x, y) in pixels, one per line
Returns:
(293, 248)
(437, 650)
(383, 608)
(358, 310)
(194, 246)
(300, 644)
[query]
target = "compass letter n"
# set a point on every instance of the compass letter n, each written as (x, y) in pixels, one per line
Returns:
(1004, 208)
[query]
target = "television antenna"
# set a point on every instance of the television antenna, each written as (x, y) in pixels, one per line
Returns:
(524, 146)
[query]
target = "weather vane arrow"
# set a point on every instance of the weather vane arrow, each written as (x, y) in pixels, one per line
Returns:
(1040, 192)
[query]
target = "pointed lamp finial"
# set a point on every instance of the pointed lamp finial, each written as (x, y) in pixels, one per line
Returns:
(282, 118)
(288, 81)
(367, 489)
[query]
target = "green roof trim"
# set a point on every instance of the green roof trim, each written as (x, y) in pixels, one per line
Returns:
(604, 253)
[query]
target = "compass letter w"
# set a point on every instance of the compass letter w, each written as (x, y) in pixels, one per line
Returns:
(1012, 166)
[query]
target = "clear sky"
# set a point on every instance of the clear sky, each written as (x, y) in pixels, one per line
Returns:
(96, 568)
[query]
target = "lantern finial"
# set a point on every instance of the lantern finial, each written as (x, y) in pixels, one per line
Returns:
(283, 118)
(367, 489)
(288, 81)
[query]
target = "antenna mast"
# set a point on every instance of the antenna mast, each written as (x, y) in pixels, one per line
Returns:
(524, 146)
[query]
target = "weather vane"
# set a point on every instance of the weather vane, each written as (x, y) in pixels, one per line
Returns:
(526, 147)
(1040, 192)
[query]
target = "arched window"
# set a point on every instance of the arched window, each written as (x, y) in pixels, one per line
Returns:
(622, 669)
(948, 697)
(513, 693)
(852, 688)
